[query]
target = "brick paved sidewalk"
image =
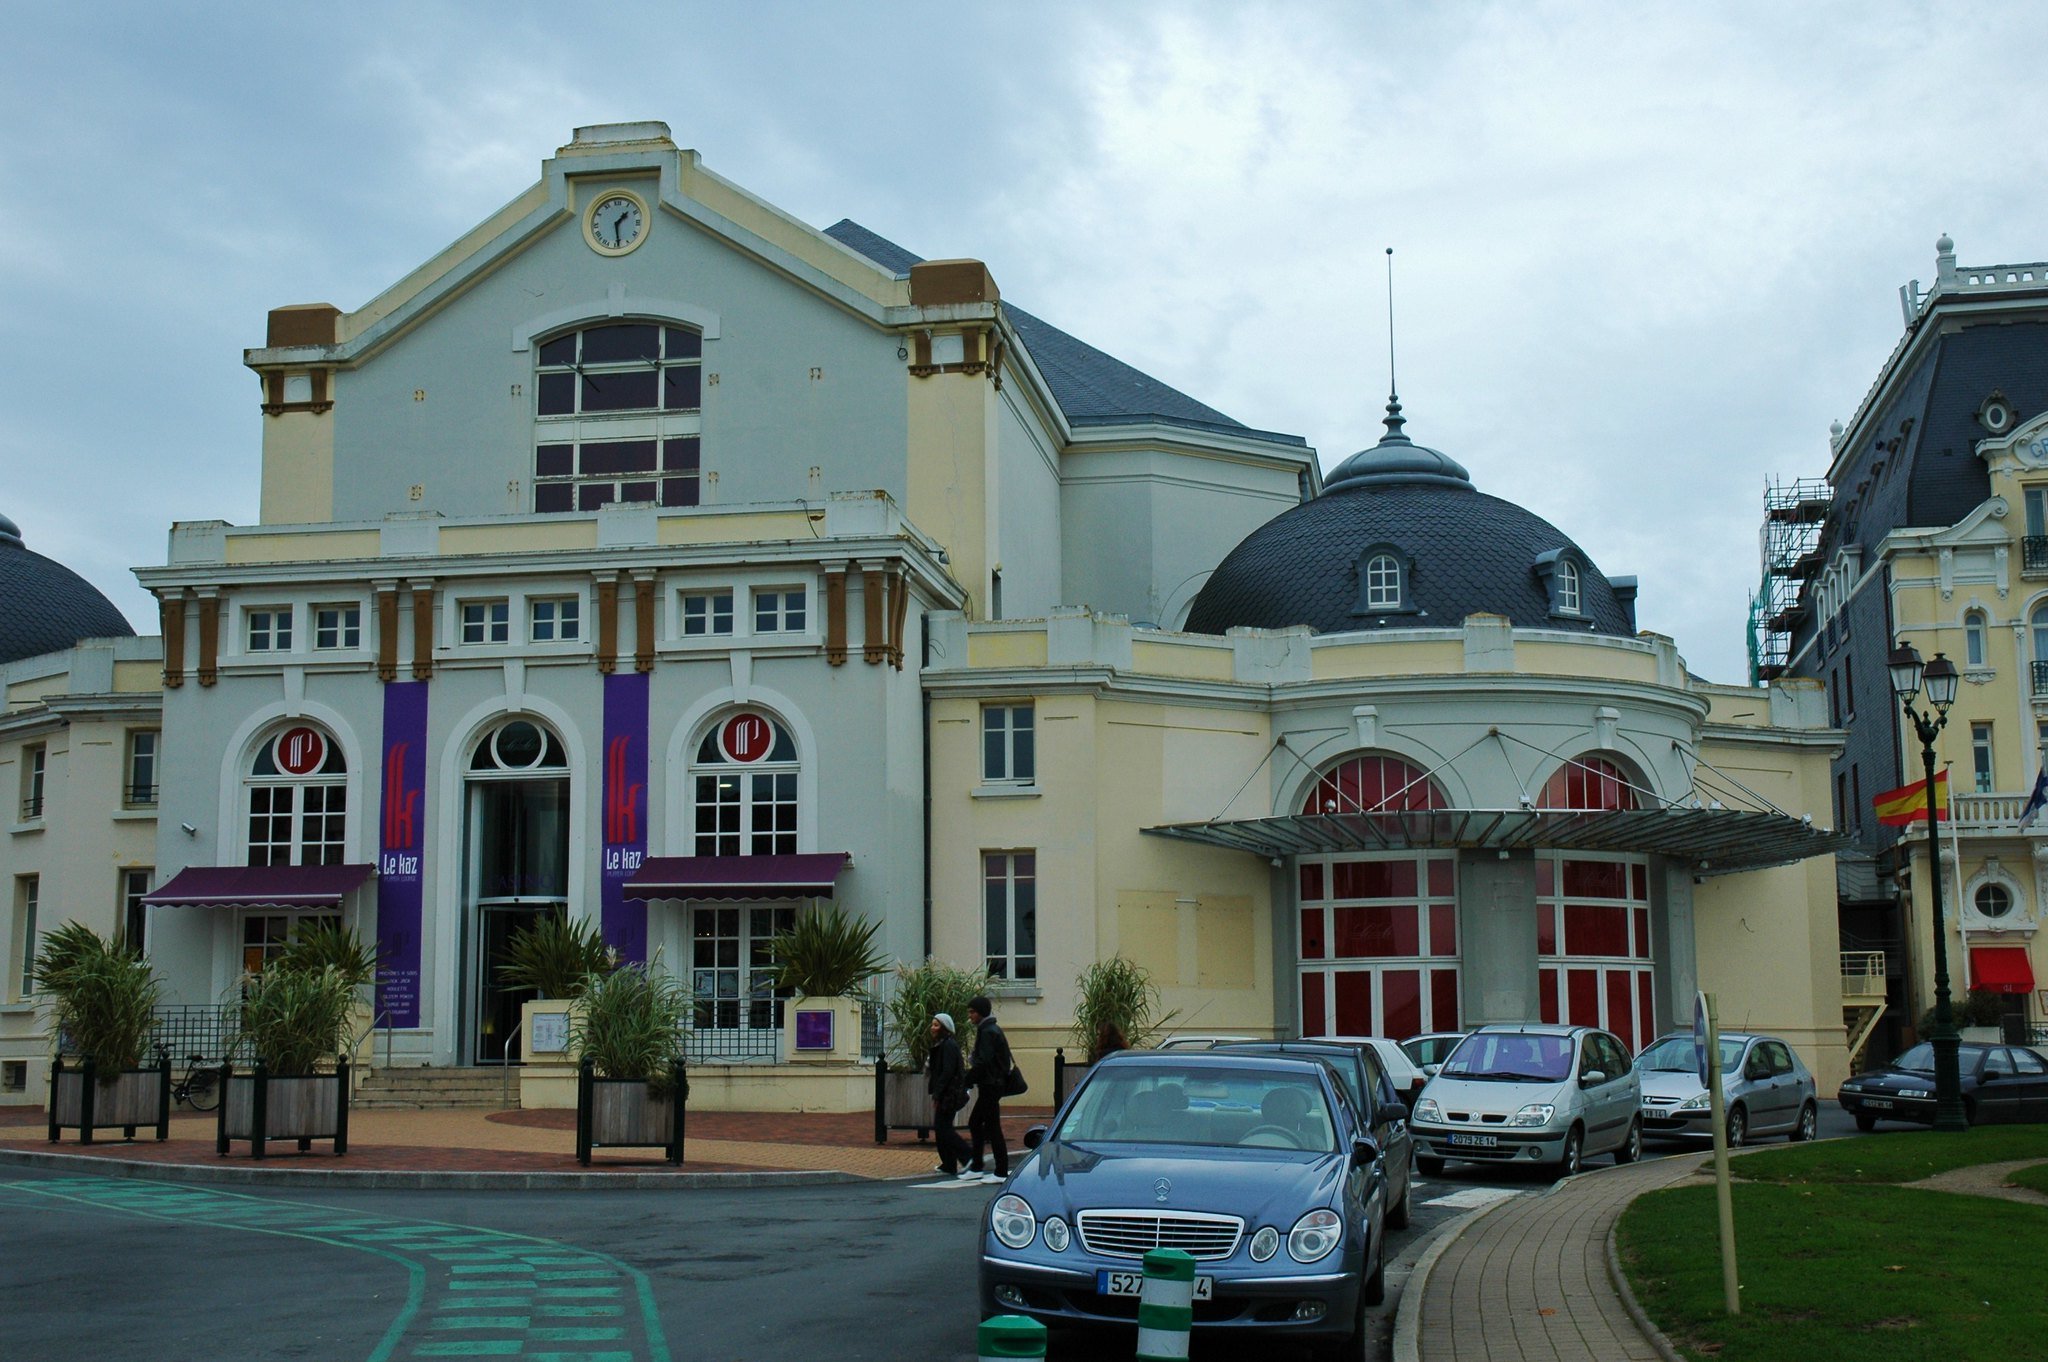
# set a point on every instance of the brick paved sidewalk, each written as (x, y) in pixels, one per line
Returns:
(530, 1142)
(1528, 1279)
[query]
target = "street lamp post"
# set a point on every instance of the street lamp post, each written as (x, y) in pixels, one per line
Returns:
(1941, 679)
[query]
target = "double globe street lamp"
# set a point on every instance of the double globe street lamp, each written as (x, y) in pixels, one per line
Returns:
(1940, 679)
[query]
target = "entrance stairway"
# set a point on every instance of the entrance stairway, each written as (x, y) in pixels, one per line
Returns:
(1863, 998)
(437, 1090)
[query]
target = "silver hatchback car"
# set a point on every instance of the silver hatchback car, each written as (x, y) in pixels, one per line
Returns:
(1530, 1093)
(1767, 1090)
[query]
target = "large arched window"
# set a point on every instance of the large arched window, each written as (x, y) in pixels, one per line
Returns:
(298, 799)
(1373, 784)
(2038, 627)
(743, 788)
(617, 416)
(1589, 783)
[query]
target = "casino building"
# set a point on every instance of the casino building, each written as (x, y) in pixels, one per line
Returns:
(650, 556)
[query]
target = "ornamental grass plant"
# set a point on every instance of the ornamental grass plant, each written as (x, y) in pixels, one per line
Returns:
(827, 953)
(556, 957)
(102, 998)
(329, 945)
(631, 1023)
(1117, 996)
(922, 992)
(295, 1019)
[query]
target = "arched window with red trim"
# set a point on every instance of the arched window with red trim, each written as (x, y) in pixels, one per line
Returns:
(1593, 784)
(1372, 783)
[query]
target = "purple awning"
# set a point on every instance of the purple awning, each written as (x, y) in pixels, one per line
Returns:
(738, 877)
(259, 886)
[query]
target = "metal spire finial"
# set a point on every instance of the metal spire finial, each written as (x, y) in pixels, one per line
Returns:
(1394, 421)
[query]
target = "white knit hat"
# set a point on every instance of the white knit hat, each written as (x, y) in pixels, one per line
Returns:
(944, 1020)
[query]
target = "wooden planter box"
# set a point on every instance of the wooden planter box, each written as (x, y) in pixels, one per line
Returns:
(901, 1103)
(136, 1097)
(259, 1107)
(620, 1113)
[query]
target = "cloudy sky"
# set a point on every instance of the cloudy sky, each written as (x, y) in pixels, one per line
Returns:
(1645, 254)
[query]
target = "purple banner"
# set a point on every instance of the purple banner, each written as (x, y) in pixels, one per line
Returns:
(400, 854)
(625, 811)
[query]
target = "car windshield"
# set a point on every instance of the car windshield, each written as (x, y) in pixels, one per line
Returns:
(1674, 1055)
(1350, 1067)
(1510, 1057)
(1430, 1049)
(1919, 1059)
(1208, 1106)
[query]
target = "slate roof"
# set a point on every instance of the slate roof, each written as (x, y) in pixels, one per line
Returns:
(45, 607)
(1470, 553)
(1092, 388)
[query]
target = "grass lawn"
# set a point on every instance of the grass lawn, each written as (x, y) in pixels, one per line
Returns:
(2034, 1179)
(1833, 1270)
(1892, 1156)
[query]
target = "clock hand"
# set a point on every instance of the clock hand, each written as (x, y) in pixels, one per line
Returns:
(619, 226)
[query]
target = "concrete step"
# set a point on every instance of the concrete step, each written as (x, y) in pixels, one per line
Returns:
(438, 1089)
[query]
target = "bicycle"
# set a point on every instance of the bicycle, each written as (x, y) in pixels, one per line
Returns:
(199, 1089)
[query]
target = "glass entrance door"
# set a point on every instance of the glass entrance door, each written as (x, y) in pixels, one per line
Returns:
(738, 1011)
(516, 871)
(498, 1002)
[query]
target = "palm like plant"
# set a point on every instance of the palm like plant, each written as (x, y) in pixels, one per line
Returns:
(294, 1019)
(1117, 993)
(923, 992)
(556, 957)
(330, 945)
(827, 953)
(630, 1024)
(102, 997)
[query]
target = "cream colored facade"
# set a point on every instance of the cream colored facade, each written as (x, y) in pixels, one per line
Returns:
(78, 842)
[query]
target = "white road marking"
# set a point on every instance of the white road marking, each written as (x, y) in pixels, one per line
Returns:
(1472, 1198)
(949, 1185)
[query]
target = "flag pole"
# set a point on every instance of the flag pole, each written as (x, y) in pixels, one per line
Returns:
(1955, 834)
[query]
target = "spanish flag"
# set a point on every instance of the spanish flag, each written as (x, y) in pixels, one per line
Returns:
(1908, 804)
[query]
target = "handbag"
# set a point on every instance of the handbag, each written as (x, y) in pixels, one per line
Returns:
(1014, 1084)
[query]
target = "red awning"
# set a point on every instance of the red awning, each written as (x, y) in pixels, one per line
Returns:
(2001, 969)
(259, 886)
(808, 876)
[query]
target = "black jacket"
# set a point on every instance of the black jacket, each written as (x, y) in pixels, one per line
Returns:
(991, 1064)
(944, 1078)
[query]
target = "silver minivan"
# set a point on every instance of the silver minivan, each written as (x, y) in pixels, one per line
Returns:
(1530, 1093)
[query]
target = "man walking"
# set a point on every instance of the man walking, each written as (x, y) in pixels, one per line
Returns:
(946, 1080)
(989, 1071)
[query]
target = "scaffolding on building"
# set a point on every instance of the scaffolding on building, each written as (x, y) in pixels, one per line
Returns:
(1795, 512)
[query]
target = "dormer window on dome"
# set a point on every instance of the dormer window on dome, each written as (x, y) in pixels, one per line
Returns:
(1562, 576)
(1384, 573)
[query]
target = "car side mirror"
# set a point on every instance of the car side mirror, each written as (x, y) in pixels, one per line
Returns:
(1393, 1111)
(1035, 1136)
(1591, 1077)
(1365, 1151)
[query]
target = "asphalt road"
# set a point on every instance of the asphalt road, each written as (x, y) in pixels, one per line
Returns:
(120, 1269)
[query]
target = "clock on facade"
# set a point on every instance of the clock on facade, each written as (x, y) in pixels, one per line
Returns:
(616, 222)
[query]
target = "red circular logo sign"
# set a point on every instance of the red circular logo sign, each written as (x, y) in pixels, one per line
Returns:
(300, 751)
(746, 737)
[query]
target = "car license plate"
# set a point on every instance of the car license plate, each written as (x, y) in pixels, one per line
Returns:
(1475, 1141)
(1881, 1102)
(1110, 1282)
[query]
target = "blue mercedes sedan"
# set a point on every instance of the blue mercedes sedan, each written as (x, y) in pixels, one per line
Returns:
(1256, 1165)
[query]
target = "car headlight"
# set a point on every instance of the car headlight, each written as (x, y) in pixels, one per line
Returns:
(1699, 1103)
(1535, 1114)
(1056, 1236)
(1427, 1110)
(1314, 1235)
(1012, 1220)
(1265, 1244)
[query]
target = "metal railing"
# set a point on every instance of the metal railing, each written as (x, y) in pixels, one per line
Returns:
(1863, 974)
(205, 1031)
(733, 1045)
(139, 796)
(31, 808)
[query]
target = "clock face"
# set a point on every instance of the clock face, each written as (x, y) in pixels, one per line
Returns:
(616, 222)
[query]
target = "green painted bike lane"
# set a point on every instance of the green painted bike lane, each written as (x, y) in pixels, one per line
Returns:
(470, 1292)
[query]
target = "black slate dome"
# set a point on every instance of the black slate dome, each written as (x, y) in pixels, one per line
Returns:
(1459, 552)
(46, 607)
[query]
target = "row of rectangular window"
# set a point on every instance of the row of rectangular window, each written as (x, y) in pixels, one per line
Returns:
(138, 783)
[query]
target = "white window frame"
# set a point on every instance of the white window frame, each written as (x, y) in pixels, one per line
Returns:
(27, 900)
(999, 725)
(1974, 651)
(1383, 582)
(1009, 965)
(786, 609)
(35, 781)
(1983, 758)
(718, 606)
(332, 784)
(134, 884)
(272, 624)
(492, 625)
(137, 793)
(1567, 587)
(346, 629)
(564, 622)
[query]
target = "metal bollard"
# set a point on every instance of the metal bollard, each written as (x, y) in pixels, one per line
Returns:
(1166, 1306)
(1009, 1336)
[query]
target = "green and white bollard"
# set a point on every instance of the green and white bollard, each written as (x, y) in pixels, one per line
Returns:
(1009, 1336)
(1166, 1306)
